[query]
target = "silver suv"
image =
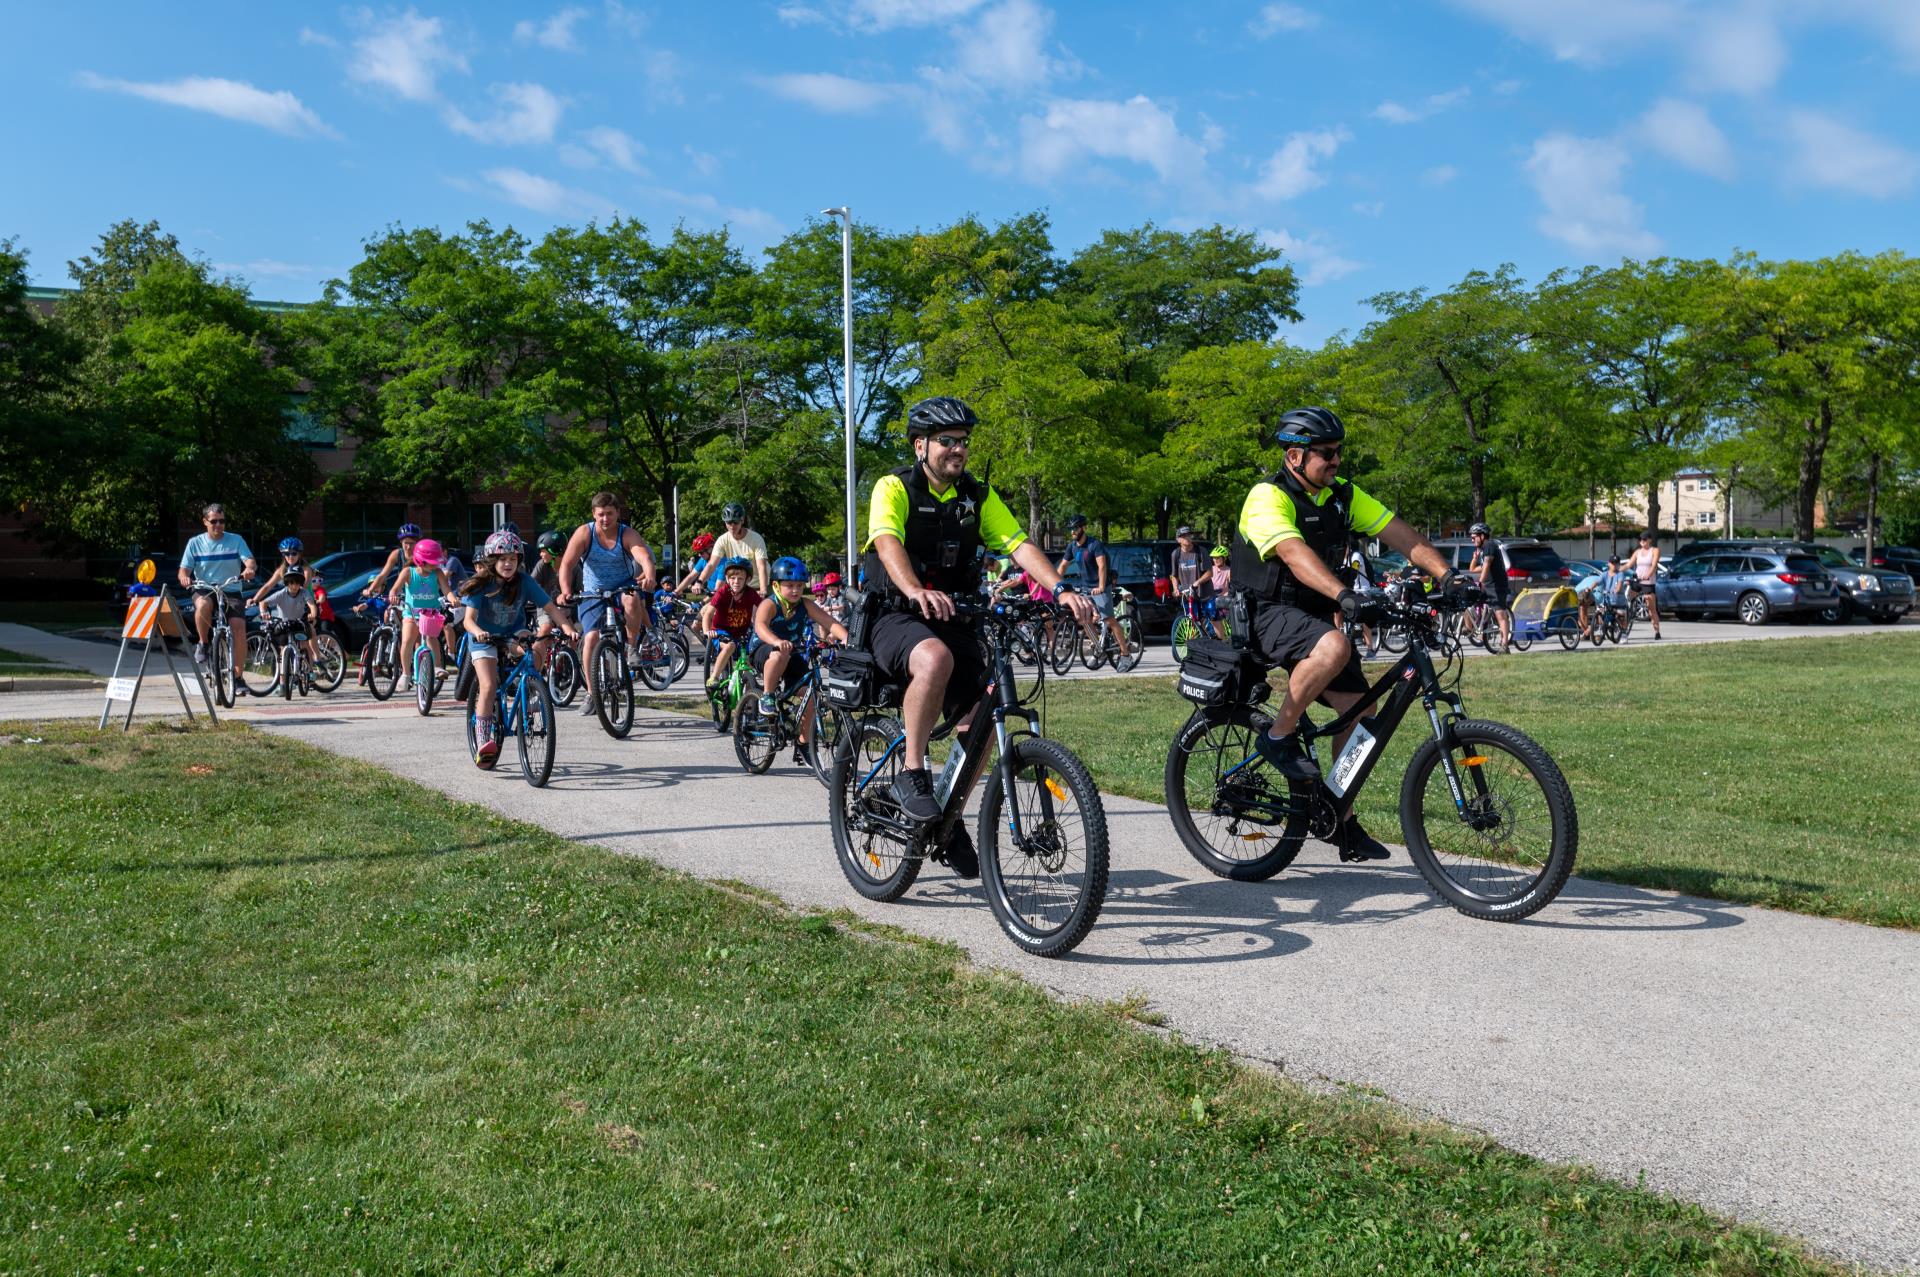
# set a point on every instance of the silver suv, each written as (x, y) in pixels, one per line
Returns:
(1530, 563)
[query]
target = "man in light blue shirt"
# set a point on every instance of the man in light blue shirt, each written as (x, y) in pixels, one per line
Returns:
(218, 559)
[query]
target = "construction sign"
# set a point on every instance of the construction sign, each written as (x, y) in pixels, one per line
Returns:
(149, 615)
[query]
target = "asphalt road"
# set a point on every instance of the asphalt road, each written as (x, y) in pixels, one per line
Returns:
(1760, 1063)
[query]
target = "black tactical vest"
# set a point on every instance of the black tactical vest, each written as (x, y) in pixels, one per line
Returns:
(942, 537)
(1325, 528)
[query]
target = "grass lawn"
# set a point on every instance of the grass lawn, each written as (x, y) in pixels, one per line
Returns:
(60, 616)
(26, 665)
(1782, 773)
(303, 1016)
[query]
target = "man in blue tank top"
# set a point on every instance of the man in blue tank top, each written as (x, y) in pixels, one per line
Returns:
(608, 554)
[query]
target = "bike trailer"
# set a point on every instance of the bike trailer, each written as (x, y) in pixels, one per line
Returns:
(1536, 611)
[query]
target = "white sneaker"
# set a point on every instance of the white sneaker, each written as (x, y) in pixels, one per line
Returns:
(406, 682)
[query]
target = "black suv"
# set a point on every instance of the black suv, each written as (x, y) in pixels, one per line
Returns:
(1531, 563)
(1135, 564)
(1900, 558)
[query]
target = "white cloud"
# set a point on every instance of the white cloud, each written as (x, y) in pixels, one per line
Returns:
(662, 69)
(542, 194)
(267, 268)
(1582, 30)
(1370, 208)
(1290, 171)
(1317, 261)
(1275, 18)
(1507, 88)
(309, 36)
(1687, 135)
(704, 164)
(1007, 48)
(1578, 180)
(527, 113)
(229, 99)
(404, 54)
(609, 145)
(1440, 175)
(884, 15)
(799, 15)
(555, 33)
(1138, 130)
(1394, 113)
(757, 219)
(834, 94)
(630, 22)
(1832, 154)
(1739, 50)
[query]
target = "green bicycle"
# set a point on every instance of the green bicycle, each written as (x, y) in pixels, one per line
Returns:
(725, 696)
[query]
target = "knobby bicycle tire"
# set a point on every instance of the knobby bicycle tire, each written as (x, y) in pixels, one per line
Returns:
(535, 730)
(756, 739)
(383, 673)
(1043, 902)
(612, 693)
(1511, 852)
(1209, 800)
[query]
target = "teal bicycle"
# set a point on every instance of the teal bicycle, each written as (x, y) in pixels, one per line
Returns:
(522, 708)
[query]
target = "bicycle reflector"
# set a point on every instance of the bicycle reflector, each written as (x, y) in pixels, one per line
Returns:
(1053, 787)
(145, 572)
(1474, 760)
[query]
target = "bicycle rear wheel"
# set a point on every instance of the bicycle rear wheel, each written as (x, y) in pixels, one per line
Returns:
(1183, 630)
(535, 730)
(1136, 646)
(1046, 890)
(879, 859)
(1234, 814)
(612, 693)
(330, 663)
(1066, 635)
(655, 666)
(1509, 852)
(261, 670)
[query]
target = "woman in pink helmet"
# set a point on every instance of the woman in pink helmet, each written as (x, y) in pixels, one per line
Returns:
(420, 591)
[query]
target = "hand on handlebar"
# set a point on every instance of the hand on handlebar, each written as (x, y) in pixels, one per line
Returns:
(1079, 604)
(933, 605)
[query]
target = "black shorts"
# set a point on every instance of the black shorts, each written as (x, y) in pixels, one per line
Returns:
(896, 634)
(796, 668)
(1284, 636)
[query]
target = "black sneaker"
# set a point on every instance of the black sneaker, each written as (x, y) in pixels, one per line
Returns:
(913, 790)
(960, 853)
(1287, 754)
(802, 754)
(1357, 844)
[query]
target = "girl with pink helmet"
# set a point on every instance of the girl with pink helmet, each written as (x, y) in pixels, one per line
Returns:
(420, 591)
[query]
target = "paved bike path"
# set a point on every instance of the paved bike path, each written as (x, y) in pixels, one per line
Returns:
(1758, 1062)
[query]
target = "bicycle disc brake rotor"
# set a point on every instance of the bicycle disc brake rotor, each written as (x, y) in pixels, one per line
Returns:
(1488, 815)
(1046, 846)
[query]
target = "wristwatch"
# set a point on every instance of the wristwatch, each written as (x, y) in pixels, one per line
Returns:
(1065, 587)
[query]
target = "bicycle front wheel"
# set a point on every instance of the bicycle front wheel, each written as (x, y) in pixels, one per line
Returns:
(1060, 651)
(1093, 649)
(1234, 814)
(655, 666)
(1183, 630)
(383, 666)
(563, 674)
(829, 729)
(1045, 888)
(424, 665)
(756, 738)
(535, 729)
(330, 663)
(223, 675)
(880, 860)
(612, 693)
(286, 673)
(1507, 850)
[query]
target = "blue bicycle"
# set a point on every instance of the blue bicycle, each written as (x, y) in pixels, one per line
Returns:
(522, 707)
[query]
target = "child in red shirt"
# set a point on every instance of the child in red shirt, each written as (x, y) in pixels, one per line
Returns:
(729, 611)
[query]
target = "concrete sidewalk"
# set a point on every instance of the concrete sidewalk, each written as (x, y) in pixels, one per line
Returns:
(80, 654)
(1760, 1063)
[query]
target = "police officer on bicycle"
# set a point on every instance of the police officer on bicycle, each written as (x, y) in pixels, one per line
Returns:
(1290, 557)
(927, 526)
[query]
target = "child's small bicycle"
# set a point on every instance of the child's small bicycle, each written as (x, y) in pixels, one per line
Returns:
(725, 696)
(522, 707)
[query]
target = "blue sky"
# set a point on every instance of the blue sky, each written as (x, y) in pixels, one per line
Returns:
(1383, 145)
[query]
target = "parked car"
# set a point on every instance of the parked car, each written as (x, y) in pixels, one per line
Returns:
(349, 627)
(1530, 563)
(1901, 558)
(1135, 564)
(1883, 594)
(342, 564)
(1754, 586)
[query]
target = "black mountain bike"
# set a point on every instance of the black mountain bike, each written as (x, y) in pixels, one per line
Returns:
(1047, 885)
(661, 661)
(1486, 815)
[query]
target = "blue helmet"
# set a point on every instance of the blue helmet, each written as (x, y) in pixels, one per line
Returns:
(409, 530)
(788, 568)
(291, 545)
(735, 562)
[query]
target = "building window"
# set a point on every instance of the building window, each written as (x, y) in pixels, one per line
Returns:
(361, 525)
(1687, 486)
(306, 429)
(1709, 518)
(462, 527)
(1708, 485)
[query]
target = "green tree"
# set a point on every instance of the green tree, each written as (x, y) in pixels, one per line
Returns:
(40, 432)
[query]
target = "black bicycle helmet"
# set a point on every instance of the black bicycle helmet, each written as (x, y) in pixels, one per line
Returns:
(942, 412)
(733, 512)
(552, 541)
(1304, 427)
(1479, 530)
(1077, 521)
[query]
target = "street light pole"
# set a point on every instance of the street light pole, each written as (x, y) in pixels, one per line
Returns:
(845, 214)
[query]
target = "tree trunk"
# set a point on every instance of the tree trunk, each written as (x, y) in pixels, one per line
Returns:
(1733, 479)
(1477, 479)
(1653, 508)
(1033, 506)
(1813, 455)
(1873, 504)
(1593, 532)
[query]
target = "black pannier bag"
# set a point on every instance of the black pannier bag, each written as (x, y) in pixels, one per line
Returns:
(1217, 674)
(853, 681)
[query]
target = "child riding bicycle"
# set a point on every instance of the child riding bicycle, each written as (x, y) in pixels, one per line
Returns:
(495, 597)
